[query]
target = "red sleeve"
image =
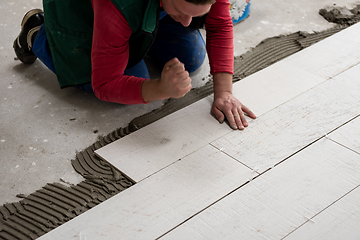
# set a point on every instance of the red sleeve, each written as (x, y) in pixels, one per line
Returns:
(219, 38)
(110, 54)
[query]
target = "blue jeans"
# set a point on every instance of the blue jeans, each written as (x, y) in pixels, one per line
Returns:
(172, 40)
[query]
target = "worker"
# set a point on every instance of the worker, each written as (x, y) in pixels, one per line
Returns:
(100, 45)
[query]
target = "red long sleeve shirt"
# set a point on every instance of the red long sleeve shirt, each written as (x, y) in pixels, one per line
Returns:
(110, 50)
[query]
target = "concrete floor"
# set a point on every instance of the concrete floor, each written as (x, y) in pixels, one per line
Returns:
(42, 126)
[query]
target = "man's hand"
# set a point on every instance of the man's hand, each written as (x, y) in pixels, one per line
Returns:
(226, 105)
(174, 83)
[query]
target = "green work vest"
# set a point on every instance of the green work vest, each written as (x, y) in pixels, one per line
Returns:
(69, 29)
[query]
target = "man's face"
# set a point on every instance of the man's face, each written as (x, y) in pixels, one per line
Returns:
(183, 12)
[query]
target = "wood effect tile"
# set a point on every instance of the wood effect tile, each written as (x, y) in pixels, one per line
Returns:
(279, 201)
(273, 86)
(150, 149)
(157, 204)
(339, 221)
(348, 135)
(330, 56)
(343, 86)
(198, 120)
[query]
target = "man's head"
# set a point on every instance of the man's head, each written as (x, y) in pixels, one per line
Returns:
(184, 10)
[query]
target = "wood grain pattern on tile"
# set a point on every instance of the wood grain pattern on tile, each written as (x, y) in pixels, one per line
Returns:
(339, 221)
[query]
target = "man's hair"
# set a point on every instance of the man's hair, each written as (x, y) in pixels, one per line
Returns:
(201, 2)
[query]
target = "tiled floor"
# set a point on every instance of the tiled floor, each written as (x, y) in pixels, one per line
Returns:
(294, 174)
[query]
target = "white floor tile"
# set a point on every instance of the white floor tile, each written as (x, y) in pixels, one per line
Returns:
(332, 55)
(164, 200)
(150, 149)
(340, 221)
(348, 135)
(279, 201)
(271, 87)
(343, 87)
(198, 120)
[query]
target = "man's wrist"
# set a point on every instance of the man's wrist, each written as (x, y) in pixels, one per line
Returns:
(151, 91)
(222, 83)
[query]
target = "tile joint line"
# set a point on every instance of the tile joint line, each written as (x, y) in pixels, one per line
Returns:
(342, 145)
(221, 150)
(311, 219)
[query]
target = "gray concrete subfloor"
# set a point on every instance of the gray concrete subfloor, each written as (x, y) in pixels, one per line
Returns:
(42, 126)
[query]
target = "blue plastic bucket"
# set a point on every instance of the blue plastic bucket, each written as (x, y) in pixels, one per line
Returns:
(239, 10)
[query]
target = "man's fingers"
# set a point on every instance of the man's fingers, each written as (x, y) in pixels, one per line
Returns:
(238, 124)
(248, 112)
(184, 76)
(178, 68)
(218, 114)
(186, 82)
(171, 63)
(187, 89)
(232, 119)
(242, 118)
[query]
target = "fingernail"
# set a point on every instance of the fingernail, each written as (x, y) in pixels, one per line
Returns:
(234, 127)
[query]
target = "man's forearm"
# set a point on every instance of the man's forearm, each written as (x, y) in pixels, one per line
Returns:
(222, 83)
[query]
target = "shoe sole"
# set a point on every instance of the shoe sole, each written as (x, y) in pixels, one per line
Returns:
(28, 15)
(26, 55)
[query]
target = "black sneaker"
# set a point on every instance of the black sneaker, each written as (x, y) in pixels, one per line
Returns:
(30, 26)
